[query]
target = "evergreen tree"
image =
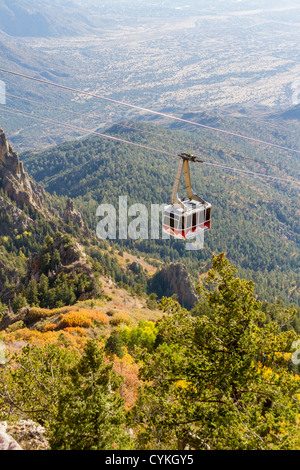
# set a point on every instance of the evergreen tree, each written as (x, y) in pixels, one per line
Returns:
(151, 302)
(3, 308)
(114, 344)
(32, 293)
(90, 414)
(18, 302)
(30, 380)
(221, 380)
(55, 259)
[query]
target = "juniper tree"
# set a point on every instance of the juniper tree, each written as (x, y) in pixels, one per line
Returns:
(219, 380)
(90, 413)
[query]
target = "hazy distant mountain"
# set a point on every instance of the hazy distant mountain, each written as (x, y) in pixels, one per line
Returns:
(57, 18)
(292, 113)
(24, 18)
(16, 20)
(169, 56)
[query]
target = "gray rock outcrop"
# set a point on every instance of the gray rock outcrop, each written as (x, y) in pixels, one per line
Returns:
(73, 216)
(15, 181)
(174, 280)
(6, 441)
(22, 435)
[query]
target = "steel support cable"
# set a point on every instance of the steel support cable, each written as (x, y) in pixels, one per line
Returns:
(126, 126)
(157, 113)
(71, 126)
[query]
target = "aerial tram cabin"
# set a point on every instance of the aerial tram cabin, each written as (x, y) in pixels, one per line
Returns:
(185, 218)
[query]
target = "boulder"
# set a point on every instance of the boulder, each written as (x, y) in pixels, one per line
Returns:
(74, 217)
(174, 279)
(22, 435)
(6, 441)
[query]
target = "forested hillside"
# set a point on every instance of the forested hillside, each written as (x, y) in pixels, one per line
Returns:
(255, 221)
(84, 336)
(45, 245)
(136, 341)
(96, 378)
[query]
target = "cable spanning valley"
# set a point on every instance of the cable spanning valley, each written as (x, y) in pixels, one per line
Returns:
(117, 139)
(145, 147)
(139, 108)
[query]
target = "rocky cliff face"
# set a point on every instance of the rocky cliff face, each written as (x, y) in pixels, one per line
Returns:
(15, 181)
(20, 200)
(175, 280)
(74, 217)
(27, 215)
(72, 259)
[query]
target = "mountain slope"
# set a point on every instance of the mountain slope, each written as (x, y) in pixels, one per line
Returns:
(28, 215)
(16, 19)
(46, 19)
(48, 256)
(254, 220)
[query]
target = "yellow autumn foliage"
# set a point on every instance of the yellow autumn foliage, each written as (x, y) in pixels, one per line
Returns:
(73, 319)
(119, 318)
(39, 338)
